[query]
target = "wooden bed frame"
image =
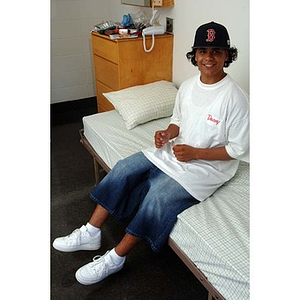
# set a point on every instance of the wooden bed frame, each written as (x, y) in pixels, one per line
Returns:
(98, 162)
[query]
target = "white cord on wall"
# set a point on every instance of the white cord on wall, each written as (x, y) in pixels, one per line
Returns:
(144, 43)
(153, 38)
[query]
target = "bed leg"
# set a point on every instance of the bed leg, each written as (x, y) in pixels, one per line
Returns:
(209, 297)
(96, 171)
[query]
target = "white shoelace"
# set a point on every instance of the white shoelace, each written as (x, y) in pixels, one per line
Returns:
(74, 236)
(98, 264)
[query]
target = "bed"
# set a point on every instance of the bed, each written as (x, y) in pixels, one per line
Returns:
(212, 237)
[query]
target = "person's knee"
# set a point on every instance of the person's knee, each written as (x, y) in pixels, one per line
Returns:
(120, 166)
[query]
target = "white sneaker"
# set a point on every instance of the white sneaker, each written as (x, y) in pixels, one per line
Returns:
(97, 270)
(79, 239)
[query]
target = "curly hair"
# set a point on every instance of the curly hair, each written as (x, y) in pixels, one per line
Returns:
(232, 56)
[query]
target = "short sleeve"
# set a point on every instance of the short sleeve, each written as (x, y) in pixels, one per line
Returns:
(176, 116)
(238, 140)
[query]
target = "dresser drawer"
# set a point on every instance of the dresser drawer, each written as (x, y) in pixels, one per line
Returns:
(105, 48)
(106, 72)
(103, 108)
(102, 102)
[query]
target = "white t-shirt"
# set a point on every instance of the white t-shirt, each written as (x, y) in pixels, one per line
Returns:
(209, 116)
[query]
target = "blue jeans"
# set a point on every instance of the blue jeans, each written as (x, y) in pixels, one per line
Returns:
(136, 187)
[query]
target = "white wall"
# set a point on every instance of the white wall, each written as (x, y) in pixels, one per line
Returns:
(71, 22)
(71, 61)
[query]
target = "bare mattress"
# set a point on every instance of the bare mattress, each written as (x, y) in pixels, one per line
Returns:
(214, 234)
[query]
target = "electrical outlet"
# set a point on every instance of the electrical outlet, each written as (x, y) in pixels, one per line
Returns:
(158, 2)
(169, 25)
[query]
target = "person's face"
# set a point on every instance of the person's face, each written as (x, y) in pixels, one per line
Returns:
(210, 63)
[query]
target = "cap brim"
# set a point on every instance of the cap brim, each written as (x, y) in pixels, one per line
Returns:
(211, 46)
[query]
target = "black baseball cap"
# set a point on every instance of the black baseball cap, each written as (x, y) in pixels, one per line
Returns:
(212, 35)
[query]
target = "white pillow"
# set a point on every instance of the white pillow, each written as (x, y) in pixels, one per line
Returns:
(143, 103)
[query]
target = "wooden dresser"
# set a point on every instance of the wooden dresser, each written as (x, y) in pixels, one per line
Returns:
(119, 64)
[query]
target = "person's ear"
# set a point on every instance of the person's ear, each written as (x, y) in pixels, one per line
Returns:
(227, 55)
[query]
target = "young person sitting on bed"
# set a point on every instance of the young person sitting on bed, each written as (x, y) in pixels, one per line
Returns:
(196, 154)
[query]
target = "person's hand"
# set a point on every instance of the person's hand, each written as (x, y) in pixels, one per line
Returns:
(161, 137)
(184, 153)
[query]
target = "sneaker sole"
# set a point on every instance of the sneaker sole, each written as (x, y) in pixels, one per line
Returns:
(87, 247)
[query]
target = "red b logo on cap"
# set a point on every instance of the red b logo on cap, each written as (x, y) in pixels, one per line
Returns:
(210, 35)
